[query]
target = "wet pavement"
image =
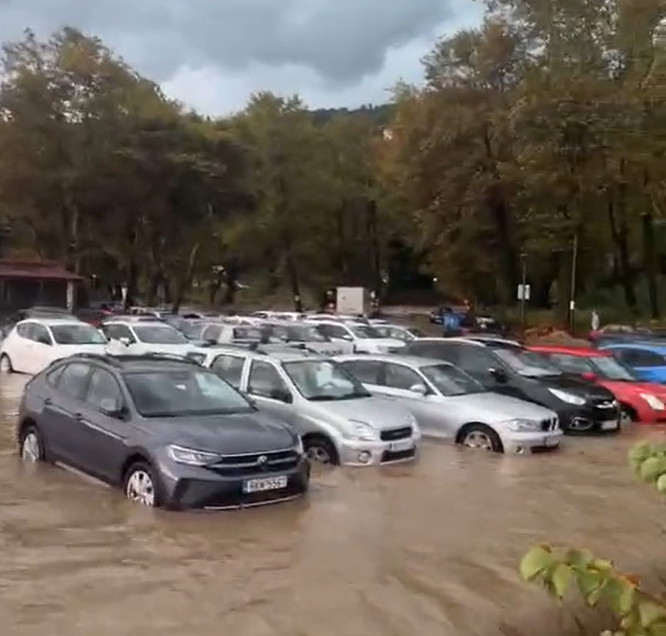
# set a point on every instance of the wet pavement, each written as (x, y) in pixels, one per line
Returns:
(426, 549)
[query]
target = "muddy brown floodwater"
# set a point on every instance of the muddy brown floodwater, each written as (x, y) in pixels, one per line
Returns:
(421, 550)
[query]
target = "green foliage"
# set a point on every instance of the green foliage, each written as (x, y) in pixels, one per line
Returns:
(598, 581)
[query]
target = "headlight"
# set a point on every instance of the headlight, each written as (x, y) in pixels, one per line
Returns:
(653, 401)
(523, 426)
(190, 456)
(363, 431)
(569, 398)
(298, 446)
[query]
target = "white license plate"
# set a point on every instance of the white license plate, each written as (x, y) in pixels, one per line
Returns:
(610, 425)
(402, 445)
(267, 483)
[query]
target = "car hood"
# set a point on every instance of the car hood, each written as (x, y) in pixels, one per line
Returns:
(494, 407)
(573, 385)
(382, 343)
(378, 412)
(252, 432)
(68, 349)
(323, 348)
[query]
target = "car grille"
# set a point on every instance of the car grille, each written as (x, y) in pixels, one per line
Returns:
(549, 424)
(248, 464)
(394, 434)
(396, 456)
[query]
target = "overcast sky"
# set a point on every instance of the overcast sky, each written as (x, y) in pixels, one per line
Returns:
(212, 54)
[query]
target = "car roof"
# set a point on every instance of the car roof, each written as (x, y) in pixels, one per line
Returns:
(47, 320)
(643, 344)
(125, 321)
(436, 340)
(281, 353)
(130, 362)
(413, 361)
(583, 352)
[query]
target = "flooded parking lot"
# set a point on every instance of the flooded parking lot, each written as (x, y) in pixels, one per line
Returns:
(428, 549)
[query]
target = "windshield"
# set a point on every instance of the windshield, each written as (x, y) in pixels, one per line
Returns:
(76, 334)
(364, 331)
(247, 333)
(324, 380)
(526, 363)
(302, 333)
(450, 380)
(159, 334)
(192, 330)
(611, 369)
(179, 392)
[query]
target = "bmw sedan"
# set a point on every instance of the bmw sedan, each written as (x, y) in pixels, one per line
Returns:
(168, 432)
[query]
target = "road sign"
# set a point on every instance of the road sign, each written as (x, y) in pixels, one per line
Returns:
(523, 292)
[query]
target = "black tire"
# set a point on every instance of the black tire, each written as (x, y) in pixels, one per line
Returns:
(318, 448)
(495, 443)
(627, 415)
(38, 454)
(143, 467)
(6, 364)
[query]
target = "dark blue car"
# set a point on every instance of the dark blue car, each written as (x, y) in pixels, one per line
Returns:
(647, 359)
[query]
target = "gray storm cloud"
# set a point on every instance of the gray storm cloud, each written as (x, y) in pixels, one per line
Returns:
(341, 40)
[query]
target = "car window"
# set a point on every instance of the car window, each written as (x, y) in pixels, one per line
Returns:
(192, 330)
(39, 333)
(73, 380)
(399, 376)
(103, 386)
(229, 368)
(116, 332)
(432, 350)
(159, 334)
(336, 331)
(366, 371)
(324, 380)
(52, 377)
(264, 379)
(212, 332)
(572, 364)
(23, 330)
(477, 361)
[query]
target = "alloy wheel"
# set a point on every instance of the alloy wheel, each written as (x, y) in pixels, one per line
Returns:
(478, 440)
(140, 488)
(318, 454)
(30, 449)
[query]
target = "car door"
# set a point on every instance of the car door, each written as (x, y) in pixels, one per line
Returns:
(42, 352)
(230, 368)
(399, 380)
(264, 385)
(102, 439)
(61, 422)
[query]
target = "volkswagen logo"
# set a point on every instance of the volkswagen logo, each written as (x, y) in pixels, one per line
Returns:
(262, 460)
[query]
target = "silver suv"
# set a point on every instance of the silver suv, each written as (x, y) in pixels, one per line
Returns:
(339, 420)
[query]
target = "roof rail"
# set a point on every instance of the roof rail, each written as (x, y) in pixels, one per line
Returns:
(99, 357)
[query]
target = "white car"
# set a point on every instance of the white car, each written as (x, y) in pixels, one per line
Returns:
(360, 337)
(127, 337)
(36, 342)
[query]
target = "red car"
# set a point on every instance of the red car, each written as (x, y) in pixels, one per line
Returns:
(640, 401)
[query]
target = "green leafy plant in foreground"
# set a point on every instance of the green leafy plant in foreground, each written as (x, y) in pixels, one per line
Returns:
(599, 581)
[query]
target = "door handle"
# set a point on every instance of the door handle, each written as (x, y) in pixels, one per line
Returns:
(48, 401)
(78, 416)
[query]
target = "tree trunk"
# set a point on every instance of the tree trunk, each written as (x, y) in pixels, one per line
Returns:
(620, 234)
(184, 282)
(649, 264)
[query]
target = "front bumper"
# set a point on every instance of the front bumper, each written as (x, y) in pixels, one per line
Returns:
(187, 487)
(360, 453)
(531, 442)
(590, 419)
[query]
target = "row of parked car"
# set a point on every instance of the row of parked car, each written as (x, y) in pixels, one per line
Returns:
(217, 412)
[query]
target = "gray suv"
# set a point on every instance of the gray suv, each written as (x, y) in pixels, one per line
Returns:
(166, 431)
(340, 421)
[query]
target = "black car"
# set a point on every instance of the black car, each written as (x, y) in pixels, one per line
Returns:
(506, 367)
(170, 433)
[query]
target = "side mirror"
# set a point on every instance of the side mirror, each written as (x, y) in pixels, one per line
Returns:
(125, 340)
(499, 375)
(419, 389)
(589, 376)
(282, 396)
(347, 337)
(44, 340)
(112, 408)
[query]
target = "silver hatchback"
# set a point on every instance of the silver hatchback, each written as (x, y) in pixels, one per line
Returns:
(450, 404)
(339, 420)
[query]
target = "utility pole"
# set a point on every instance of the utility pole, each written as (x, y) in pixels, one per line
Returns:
(572, 288)
(523, 295)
